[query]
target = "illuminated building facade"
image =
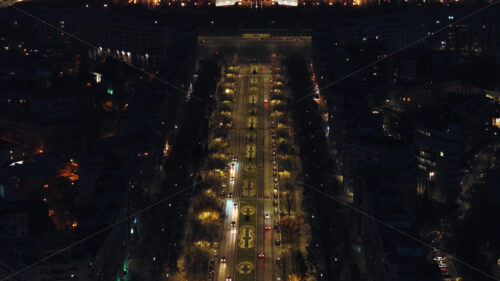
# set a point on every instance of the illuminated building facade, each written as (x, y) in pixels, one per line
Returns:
(438, 158)
(256, 3)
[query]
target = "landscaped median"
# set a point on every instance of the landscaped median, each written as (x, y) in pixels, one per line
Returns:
(247, 240)
(247, 222)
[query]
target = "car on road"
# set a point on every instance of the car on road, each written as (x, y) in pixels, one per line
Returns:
(230, 195)
(261, 255)
(275, 195)
(275, 186)
(277, 242)
(236, 205)
(265, 101)
(228, 278)
(436, 253)
(275, 203)
(275, 179)
(275, 174)
(235, 159)
(275, 210)
(233, 224)
(267, 195)
(268, 227)
(442, 264)
(274, 152)
(266, 216)
(278, 260)
(223, 259)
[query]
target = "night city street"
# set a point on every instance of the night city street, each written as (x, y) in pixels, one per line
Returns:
(249, 140)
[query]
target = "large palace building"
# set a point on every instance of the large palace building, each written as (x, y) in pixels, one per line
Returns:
(256, 3)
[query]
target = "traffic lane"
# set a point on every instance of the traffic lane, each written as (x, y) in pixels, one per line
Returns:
(266, 251)
(260, 189)
(269, 249)
(228, 241)
(276, 233)
(232, 249)
(224, 245)
(223, 251)
(267, 176)
(445, 264)
(232, 243)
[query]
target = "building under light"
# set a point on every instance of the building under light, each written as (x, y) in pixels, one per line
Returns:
(287, 2)
(438, 158)
(256, 3)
